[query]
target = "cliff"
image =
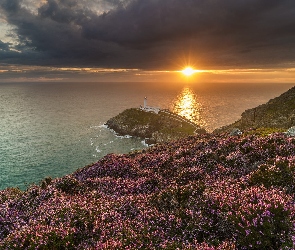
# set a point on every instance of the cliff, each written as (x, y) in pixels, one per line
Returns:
(277, 113)
(161, 127)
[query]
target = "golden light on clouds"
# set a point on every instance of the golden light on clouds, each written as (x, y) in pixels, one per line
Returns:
(187, 75)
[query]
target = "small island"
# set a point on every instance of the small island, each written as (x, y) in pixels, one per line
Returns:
(153, 124)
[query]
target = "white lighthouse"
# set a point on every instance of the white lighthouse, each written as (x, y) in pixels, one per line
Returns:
(146, 108)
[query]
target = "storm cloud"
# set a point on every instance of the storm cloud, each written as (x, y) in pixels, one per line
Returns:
(151, 34)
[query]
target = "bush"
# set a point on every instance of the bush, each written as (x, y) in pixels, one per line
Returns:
(279, 174)
(262, 218)
(68, 184)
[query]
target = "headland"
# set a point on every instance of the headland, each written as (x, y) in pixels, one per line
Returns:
(153, 124)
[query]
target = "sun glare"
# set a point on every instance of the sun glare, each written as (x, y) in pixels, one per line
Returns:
(188, 71)
(187, 105)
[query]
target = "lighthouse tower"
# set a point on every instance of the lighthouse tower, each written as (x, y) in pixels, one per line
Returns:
(146, 108)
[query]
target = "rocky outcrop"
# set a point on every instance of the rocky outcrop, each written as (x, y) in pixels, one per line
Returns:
(291, 132)
(276, 113)
(161, 127)
(236, 132)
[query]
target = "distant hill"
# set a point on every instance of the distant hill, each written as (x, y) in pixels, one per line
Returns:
(276, 113)
(161, 127)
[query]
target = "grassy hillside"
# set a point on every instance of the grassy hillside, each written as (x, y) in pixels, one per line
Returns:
(200, 192)
(278, 113)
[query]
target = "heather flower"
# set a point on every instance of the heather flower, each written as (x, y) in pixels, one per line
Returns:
(201, 192)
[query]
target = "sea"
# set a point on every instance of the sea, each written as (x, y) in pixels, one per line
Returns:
(52, 129)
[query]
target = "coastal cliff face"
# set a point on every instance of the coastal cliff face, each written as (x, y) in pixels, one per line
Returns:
(155, 128)
(276, 113)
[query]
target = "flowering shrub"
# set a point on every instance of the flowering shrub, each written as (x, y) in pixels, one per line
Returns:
(202, 192)
(262, 218)
(68, 184)
(279, 173)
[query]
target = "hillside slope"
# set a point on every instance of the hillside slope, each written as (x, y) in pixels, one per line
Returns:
(276, 113)
(201, 192)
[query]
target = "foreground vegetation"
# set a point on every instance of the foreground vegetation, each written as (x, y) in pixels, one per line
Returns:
(202, 192)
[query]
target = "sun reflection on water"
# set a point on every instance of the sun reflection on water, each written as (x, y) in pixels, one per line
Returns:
(186, 104)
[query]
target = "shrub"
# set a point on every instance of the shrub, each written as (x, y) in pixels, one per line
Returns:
(68, 184)
(279, 174)
(262, 218)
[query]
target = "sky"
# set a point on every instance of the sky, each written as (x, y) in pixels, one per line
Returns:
(147, 40)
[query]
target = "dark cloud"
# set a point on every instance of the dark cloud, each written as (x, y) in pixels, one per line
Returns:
(4, 46)
(156, 33)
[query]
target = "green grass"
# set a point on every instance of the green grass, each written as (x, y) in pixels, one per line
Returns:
(264, 131)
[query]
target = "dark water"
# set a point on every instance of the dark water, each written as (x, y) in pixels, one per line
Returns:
(51, 129)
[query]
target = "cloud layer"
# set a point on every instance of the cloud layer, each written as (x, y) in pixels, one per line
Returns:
(150, 34)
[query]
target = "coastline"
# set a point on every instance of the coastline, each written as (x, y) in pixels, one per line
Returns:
(178, 193)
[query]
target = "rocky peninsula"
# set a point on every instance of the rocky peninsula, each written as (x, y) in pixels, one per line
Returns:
(153, 127)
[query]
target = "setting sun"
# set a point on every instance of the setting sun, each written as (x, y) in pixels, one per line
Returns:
(188, 71)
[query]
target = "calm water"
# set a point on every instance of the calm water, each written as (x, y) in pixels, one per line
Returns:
(51, 129)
